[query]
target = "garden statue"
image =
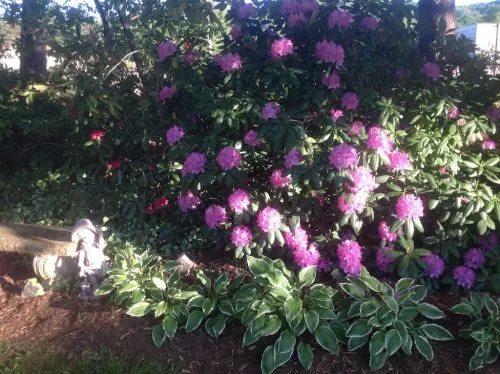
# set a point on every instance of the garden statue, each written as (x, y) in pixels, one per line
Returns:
(90, 257)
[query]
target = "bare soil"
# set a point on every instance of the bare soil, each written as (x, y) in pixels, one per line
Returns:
(60, 322)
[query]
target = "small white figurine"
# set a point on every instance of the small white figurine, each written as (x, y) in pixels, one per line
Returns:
(90, 257)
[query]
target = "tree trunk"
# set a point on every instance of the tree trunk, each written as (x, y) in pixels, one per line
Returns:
(108, 36)
(33, 64)
(432, 13)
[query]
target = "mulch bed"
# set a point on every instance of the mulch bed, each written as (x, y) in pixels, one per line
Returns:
(61, 323)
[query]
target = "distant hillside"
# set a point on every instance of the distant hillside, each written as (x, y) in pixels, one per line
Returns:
(470, 14)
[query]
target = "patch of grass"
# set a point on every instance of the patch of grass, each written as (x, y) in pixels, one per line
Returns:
(17, 360)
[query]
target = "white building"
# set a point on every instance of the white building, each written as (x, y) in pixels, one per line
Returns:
(486, 37)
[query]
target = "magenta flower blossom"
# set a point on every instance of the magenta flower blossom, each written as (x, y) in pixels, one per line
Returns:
(281, 48)
(353, 203)
(324, 265)
(399, 161)
(167, 92)
(246, 11)
(332, 80)
(149, 210)
(474, 258)
(343, 156)
(340, 19)
(174, 134)
(370, 23)
(350, 101)
(493, 113)
(241, 236)
(307, 257)
(378, 140)
(228, 62)
(297, 239)
(160, 203)
(489, 242)
(268, 220)
(335, 114)
(166, 49)
(215, 215)
(330, 52)
(270, 110)
(294, 19)
(189, 57)
(356, 127)
(402, 73)
(409, 206)
(294, 6)
(431, 70)
(382, 260)
(464, 276)
(453, 113)
(385, 233)
(489, 144)
(363, 180)
(239, 201)
(188, 201)
(435, 266)
(251, 138)
(293, 158)
(349, 255)
(236, 32)
(194, 164)
(278, 180)
(228, 158)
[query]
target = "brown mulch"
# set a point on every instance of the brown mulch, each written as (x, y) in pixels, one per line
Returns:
(61, 323)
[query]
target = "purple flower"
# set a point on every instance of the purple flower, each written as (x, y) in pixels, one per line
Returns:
(431, 70)
(281, 48)
(166, 49)
(174, 134)
(293, 158)
(343, 156)
(435, 266)
(350, 101)
(270, 110)
(409, 206)
(464, 276)
(215, 215)
(167, 92)
(474, 258)
(349, 255)
(370, 23)
(228, 158)
(241, 236)
(382, 260)
(330, 52)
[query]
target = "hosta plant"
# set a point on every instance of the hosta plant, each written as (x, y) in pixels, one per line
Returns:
(278, 301)
(485, 330)
(385, 317)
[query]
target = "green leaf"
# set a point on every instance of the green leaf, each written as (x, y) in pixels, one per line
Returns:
(424, 347)
(226, 307)
(170, 326)
(159, 336)
(482, 226)
(352, 290)
(307, 276)
(194, 320)
(436, 332)
(139, 309)
(272, 326)
(293, 308)
(403, 284)
(392, 342)
(377, 343)
(430, 311)
(104, 289)
(409, 228)
(377, 361)
(267, 361)
(368, 308)
(476, 362)
(129, 287)
(401, 329)
(327, 339)
(160, 283)
(407, 314)
(357, 342)
(391, 303)
(491, 305)
(215, 325)
(283, 348)
(257, 266)
(312, 320)
(305, 354)
(358, 329)
(205, 281)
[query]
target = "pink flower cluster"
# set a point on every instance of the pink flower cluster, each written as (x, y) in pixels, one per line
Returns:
(378, 140)
(174, 134)
(293, 158)
(464, 276)
(370, 23)
(187, 201)
(215, 215)
(340, 19)
(349, 255)
(382, 260)
(453, 113)
(194, 164)
(115, 164)
(385, 233)
(189, 57)
(435, 266)
(362, 180)
(409, 206)
(474, 258)
(356, 127)
(270, 110)
(251, 138)
(268, 219)
(399, 161)
(167, 92)
(294, 7)
(160, 203)
(166, 49)
(335, 114)
(431, 70)
(352, 203)
(330, 52)
(228, 62)
(228, 158)
(493, 113)
(332, 80)
(246, 11)
(297, 239)
(281, 48)
(239, 201)
(278, 180)
(350, 101)
(236, 32)
(489, 144)
(304, 254)
(241, 236)
(96, 135)
(343, 156)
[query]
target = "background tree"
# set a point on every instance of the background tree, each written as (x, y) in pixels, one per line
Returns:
(434, 15)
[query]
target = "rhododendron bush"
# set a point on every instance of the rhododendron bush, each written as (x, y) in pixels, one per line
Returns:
(317, 133)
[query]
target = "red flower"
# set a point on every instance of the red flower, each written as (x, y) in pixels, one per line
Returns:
(96, 135)
(188, 45)
(160, 202)
(115, 164)
(149, 210)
